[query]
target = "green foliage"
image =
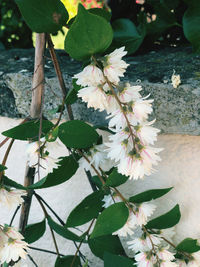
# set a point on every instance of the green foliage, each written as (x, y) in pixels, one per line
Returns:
(2, 168)
(77, 134)
(11, 183)
(149, 195)
(88, 209)
(110, 220)
(35, 231)
(28, 131)
(63, 231)
(14, 33)
(52, 135)
(67, 168)
(116, 179)
(127, 34)
(108, 243)
(191, 25)
(67, 261)
(166, 220)
(111, 260)
(93, 32)
(188, 245)
(48, 17)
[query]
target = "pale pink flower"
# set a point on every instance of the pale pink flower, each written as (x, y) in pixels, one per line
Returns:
(143, 244)
(165, 255)
(168, 264)
(94, 96)
(144, 211)
(12, 232)
(145, 259)
(129, 226)
(90, 76)
(11, 198)
(146, 133)
(114, 66)
(12, 250)
(130, 93)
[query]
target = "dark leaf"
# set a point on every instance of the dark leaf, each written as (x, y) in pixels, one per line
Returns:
(35, 231)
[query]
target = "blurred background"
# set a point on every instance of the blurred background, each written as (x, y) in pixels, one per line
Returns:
(140, 25)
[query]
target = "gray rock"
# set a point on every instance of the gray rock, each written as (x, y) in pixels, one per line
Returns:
(176, 110)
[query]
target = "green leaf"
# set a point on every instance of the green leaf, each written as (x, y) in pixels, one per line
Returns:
(63, 231)
(2, 168)
(127, 34)
(109, 243)
(116, 179)
(52, 135)
(191, 25)
(97, 181)
(48, 17)
(93, 32)
(67, 261)
(29, 131)
(77, 134)
(188, 245)
(68, 167)
(149, 195)
(35, 231)
(12, 183)
(101, 12)
(171, 4)
(71, 97)
(166, 220)
(110, 220)
(88, 209)
(111, 260)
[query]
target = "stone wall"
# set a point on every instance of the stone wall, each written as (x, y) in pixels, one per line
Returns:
(177, 114)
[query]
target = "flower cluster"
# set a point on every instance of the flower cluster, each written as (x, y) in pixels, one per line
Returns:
(131, 144)
(12, 245)
(11, 197)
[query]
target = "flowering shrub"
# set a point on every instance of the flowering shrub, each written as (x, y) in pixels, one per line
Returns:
(129, 153)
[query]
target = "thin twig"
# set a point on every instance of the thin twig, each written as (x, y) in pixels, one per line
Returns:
(15, 213)
(78, 249)
(6, 156)
(46, 215)
(46, 251)
(32, 260)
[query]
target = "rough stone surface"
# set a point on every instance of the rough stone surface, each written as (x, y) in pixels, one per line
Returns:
(175, 110)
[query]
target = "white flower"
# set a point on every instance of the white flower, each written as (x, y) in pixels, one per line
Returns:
(33, 152)
(144, 211)
(176, 80)
(165, 255)
(90, 76)
(137, 164)
(109, 200)
(129, 226)
(142, 108)
(143, 244)
(12, 232)
(95, 97)
(146, 133)
(97, 157)
(145, 259)
(114, 66)
(129, 93)
(11, 198)
(12, 250)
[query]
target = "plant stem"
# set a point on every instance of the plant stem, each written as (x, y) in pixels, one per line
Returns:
(32, 260)
(13, 217)
(59, 74)
(6, 156)
(78, 249)
(46, 215)
(46, 251)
